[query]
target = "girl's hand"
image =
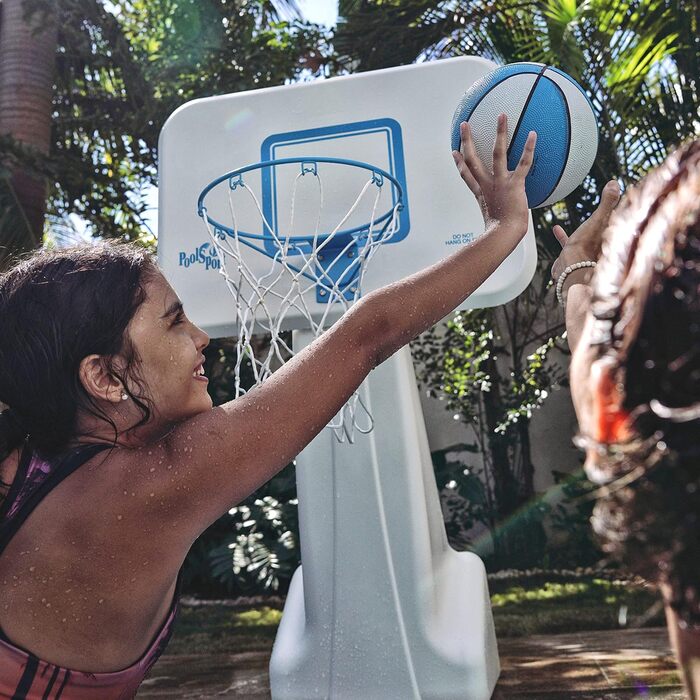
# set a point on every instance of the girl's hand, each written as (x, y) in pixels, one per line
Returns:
(585, 242)
(501, 193)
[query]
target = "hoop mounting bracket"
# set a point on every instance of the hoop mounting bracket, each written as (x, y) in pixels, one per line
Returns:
(337, 267)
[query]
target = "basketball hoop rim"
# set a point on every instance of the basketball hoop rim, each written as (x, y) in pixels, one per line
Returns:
(378, 177)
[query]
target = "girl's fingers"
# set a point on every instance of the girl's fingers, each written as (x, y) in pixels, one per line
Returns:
(608, 200)
(469, 153)
(560, 235)
(500, 165)
(528, 155)
(466, 174)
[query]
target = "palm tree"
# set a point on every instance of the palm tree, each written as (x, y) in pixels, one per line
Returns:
(27, 62)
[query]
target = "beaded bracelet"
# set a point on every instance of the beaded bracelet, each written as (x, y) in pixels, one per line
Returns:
(566, 272)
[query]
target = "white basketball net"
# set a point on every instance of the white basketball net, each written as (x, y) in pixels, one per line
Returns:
(298, 274)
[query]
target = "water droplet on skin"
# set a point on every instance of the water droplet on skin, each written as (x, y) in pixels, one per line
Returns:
(36, 549)
(101, 600)
(29, 600)
(63, 620)
(89, 617)
(48, 605)
(152, 469)
(170, 466)
(125, 493)
(119, 517)
(132, 493)
(31, 568)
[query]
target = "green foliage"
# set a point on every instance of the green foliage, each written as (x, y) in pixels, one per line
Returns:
(217, 630)
(527, 391)
(570, 520)
(259, 617)
(265, 551)
(123, 67)
(464, 498)
(541, 606)
(524, 607)
(519, 540)
(457, 365)
(16, 232)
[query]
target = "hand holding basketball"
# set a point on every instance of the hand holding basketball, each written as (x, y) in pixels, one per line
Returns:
(501, 193)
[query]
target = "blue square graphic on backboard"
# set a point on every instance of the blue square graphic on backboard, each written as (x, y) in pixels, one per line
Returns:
(296, 206)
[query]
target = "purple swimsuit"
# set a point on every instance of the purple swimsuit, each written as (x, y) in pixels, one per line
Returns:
(24, 675)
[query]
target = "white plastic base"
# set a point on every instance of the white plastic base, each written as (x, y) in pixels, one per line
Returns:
(383, 607)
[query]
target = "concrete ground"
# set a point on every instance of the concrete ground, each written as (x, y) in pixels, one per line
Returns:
(582, 666)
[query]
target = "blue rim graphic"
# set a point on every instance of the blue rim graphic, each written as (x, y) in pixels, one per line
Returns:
(308, 141)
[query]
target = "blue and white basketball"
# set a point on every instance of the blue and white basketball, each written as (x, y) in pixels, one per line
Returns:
(537, 98)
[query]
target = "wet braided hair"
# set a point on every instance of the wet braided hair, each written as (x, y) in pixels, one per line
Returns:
(646, 311)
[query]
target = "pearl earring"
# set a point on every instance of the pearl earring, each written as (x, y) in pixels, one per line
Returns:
(124, 396)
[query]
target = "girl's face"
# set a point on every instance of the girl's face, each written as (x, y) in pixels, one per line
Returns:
(170, 349)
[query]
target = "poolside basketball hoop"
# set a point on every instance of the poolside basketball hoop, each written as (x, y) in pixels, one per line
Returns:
(313, 259)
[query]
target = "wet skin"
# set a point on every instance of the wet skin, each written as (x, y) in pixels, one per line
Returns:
(62, 599)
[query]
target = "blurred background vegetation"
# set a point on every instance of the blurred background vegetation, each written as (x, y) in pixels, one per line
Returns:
(86, 85)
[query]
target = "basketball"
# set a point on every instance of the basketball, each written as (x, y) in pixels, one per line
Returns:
(534, 97)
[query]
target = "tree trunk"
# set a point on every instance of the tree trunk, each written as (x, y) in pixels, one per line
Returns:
(505, 486)
(27, 63)
(527, 467)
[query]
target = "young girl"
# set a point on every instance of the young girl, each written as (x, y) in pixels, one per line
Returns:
(635, 382)
(116, 461)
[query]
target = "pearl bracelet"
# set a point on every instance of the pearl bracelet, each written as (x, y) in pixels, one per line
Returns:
(567, 271)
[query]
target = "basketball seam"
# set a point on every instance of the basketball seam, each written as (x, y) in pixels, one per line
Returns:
(573, 82)
(568, 141)
(495, 85)
(524, 109)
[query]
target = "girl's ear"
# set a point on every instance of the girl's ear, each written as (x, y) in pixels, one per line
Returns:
(610, 422)
(98, 381)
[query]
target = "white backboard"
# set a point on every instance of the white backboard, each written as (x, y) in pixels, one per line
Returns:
(397, 119)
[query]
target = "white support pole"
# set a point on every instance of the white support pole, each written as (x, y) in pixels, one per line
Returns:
(382, 608)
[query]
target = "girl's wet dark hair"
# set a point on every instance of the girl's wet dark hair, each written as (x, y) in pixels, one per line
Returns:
(646, 310)
(56, 308)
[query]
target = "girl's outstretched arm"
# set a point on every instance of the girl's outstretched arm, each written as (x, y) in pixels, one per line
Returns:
(224, 454)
